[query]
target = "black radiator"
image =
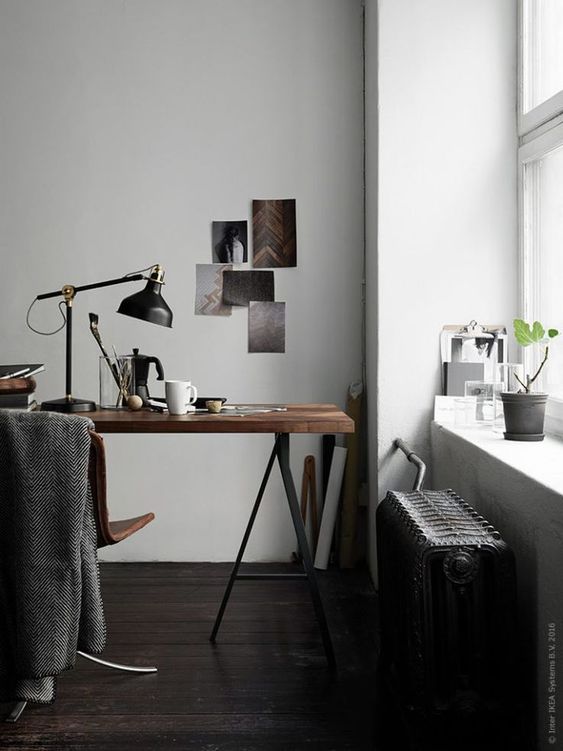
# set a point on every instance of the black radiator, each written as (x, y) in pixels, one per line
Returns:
(448, 608)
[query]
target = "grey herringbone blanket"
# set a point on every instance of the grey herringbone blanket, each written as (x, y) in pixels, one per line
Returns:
(50, 601)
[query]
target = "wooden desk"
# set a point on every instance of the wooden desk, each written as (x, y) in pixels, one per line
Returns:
(299, 418)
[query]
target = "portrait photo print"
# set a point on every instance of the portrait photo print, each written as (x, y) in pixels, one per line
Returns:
(230, 242)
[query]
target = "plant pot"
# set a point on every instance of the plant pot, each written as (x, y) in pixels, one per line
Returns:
(524, 416)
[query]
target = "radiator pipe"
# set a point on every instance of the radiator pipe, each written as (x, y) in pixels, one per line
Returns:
(416, 460)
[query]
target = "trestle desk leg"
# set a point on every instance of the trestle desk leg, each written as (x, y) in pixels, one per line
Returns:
(249, 526)
(291, 493)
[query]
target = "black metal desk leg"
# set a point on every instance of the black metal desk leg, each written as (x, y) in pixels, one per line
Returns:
(249, 526)
(283, 459)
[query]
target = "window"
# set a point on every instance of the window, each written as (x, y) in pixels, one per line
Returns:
(542, 61)
(541, 181)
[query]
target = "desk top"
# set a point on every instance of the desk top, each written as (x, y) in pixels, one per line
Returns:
(299, 418)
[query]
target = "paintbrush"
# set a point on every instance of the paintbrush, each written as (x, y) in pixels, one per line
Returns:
(94, 318)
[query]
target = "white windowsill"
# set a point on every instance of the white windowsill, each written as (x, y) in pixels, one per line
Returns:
(542, 462)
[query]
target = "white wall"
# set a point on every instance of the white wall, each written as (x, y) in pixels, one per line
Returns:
(125, 129)
(441, 83)
(519, 491)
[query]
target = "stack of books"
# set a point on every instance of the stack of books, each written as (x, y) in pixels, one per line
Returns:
(17, 386)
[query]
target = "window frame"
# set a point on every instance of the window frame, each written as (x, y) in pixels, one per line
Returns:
(540, 132)
(528, 64)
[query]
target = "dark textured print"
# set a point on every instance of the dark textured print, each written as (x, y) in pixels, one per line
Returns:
(266, 327)
(50, 600)
(242, 287)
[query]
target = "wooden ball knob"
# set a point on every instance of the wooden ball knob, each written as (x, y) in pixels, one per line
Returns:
(134, 402)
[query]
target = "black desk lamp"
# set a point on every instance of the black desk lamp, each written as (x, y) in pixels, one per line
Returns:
(148, 305)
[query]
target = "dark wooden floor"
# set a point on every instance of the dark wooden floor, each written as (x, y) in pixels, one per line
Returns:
(264, 685)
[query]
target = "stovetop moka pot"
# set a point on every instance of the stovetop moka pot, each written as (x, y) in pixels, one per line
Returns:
(141, 365)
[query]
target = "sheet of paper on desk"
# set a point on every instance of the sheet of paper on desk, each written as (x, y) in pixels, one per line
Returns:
(251, 409)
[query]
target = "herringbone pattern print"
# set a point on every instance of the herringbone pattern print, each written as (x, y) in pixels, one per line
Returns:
(49, 588)
(209, 289)
(274, 234)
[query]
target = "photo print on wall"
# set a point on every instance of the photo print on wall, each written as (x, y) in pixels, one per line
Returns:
(266, 327)
(209, 289)
(274, 233)
(240, 287)
(230, 242)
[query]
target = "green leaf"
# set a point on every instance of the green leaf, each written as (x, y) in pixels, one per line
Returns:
(552, 333)
(538, 332)
(526, 335)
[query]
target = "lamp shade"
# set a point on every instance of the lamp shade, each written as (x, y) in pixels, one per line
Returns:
(148, 305)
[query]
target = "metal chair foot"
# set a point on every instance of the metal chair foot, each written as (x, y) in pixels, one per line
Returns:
(117, 665)
(16, 712)
(19, 706)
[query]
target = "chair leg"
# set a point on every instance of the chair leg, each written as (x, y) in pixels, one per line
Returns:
(117, 665)
(16, 712)
(19, 706)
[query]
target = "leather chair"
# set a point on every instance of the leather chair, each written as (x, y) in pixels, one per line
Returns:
(108, 533)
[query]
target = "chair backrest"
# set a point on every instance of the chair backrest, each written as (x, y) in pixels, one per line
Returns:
(109, 533)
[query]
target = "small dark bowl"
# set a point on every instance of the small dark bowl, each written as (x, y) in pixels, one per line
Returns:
(200, 402)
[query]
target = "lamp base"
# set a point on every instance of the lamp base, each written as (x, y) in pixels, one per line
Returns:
(68, 405)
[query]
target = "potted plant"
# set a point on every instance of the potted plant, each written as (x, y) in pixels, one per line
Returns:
(524, 410)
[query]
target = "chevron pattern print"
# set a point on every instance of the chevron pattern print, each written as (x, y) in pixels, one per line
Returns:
(209, 289)
(50, 598)
(274, 234)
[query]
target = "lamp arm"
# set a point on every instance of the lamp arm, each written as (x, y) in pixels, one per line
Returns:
(158, 312)
(96, 285)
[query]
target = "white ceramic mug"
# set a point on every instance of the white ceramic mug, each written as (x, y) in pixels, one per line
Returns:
(179, 396)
